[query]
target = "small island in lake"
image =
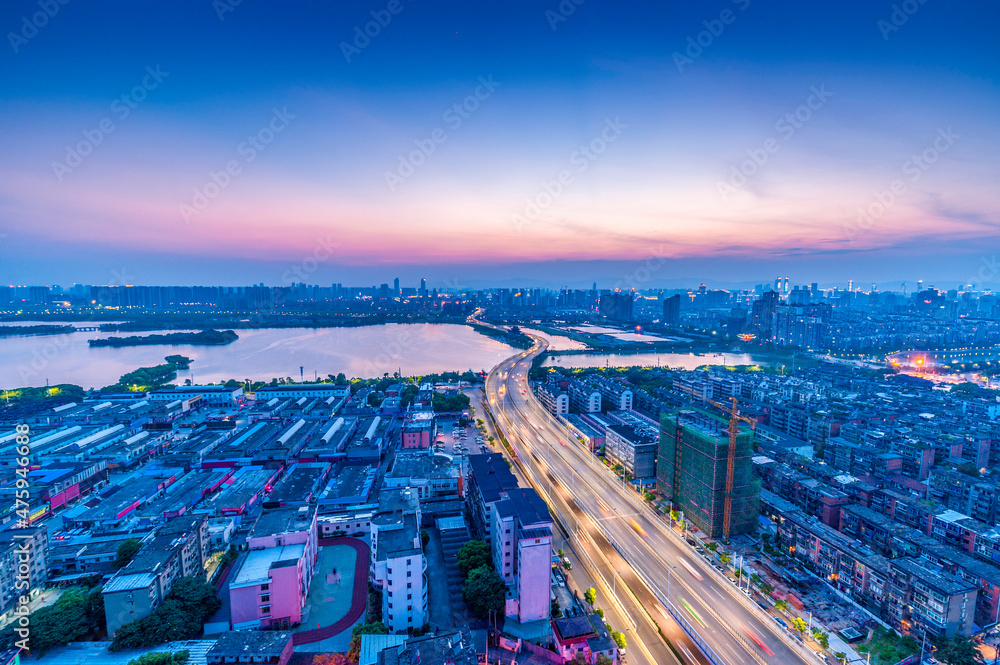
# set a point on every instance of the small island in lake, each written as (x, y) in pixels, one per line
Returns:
(203, 338)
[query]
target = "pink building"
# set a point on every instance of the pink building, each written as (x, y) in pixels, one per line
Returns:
(270, 586)
(417, 430)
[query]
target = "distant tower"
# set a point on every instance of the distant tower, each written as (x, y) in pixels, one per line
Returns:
(395, 286)
(874, 287)
(777, 284)
(301, 372)
(904, 288)
(850, 285)
(920, 285)
(423, 286)
(786, 285)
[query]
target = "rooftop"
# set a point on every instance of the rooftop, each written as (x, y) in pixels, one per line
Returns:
(257, 563)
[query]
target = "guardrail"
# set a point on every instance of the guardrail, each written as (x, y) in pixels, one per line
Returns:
(693, 634)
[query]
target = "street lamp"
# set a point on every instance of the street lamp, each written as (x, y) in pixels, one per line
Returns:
(668, 581)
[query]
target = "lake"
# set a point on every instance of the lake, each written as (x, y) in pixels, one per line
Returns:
(260, 354)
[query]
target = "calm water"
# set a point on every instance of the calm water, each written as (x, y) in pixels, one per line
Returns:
(675, 360)
(364, 352)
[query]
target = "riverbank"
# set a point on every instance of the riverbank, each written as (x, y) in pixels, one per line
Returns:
(21, 331)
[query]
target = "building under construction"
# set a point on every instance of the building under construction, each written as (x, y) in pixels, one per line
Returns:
(692, 469)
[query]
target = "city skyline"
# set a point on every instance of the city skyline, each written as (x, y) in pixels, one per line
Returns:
(584, 144)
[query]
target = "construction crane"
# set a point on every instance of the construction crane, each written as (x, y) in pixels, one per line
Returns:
(735, 417)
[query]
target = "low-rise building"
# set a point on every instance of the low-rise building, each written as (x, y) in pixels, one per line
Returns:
(555, 401)
(272, 579)
(272, 648)
(634, 449)
(177, 549)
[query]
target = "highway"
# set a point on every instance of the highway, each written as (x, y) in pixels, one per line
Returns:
(616, 529)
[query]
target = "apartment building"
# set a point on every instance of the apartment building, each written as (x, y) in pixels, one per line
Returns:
(398, 565)
(178, 549)
(522, 553)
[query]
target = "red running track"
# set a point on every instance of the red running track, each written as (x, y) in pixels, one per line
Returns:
(359, 599)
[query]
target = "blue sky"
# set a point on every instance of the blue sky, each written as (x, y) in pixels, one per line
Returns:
(338, 179)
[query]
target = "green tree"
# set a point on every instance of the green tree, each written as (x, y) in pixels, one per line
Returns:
(781, 605)
(799, 624)
(619, 639)
(590, 595)
(725, 558)
(484, 591)
(599, 612)
(555, 609)
(711, 547)
(425, 537)
(161, 658)
(372, 628)
(766, 589)
(474, 554)
(604, 660)
(181, 616)
(63, 622)
(822, 639)
(126, 552)
(959, 650)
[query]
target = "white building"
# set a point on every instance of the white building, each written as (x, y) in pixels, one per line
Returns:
(555, 401)
(584, 398)
(211, 395)
(299, 390)
(398, 567)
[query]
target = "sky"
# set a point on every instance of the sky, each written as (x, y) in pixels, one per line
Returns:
(492, 144)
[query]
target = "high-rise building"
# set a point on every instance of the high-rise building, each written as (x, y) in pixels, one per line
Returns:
(762, 314)
(522, 553)
(616, 305)
(672, 310)
(692, 470)
(395, 287)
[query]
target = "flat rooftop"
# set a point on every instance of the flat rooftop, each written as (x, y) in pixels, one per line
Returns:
(257, 563)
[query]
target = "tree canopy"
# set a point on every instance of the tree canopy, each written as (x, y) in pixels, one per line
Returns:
(474, 554)
(73, 617)
(181, 616)
(484, 592)
(126, 552)
(959, 650)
